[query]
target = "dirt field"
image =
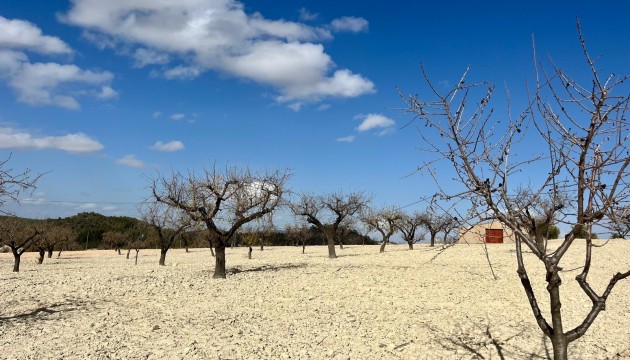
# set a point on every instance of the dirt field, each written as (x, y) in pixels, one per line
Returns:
(419, 304)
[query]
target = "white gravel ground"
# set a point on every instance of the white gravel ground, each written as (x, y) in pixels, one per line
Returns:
(420, 304)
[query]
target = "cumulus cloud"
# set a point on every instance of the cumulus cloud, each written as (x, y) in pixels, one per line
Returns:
(73, 143)
(306, 15)
(131, 161)
(107, 93)
(20, 34)
(45, 83)
(374, 121)
(157, 114)
(178, 117)
(144, 57)
(347, 139)
(170, 146)
(189, 37)
(182, 72)
(349, 24)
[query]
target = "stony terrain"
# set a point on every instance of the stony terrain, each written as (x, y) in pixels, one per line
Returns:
(420, 304)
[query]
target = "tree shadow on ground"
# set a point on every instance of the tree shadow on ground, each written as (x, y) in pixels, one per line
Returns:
(238, 270)
(482, 343)
(43, 312)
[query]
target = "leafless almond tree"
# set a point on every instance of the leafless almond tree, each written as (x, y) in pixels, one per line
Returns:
(327, 212)
(222, 200)
(115, 240)
(581, 152)
(435, 223)
(18, 234)
(409, 225)
(384, 221)
(298, 234)
(166, 222)
(13, 183)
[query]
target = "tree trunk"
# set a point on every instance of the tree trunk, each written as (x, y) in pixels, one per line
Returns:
(219, 264)
(331, 248)
(42, 252)
(187, 248)
(410, 245)
(303, 247)
(163, 257)
(249, 254)
(340, 245)
(119, 253)
(137, 252)
(432, 240)
(59, 254)
(128, 252)
(212, 251)
(382, 250)
(16, 260)
(50, 251)
(558, 338)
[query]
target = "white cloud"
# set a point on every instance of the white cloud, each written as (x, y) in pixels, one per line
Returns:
(347, 139)
(373, 121)
(349, 23)
(297, 106)
(109, 208)
(306, 15)
(178, 117)
(20, 34)
(107, 93)
(218, 35)
(323, 107)
(170, 146)
(131, 161)
(87, 206)
(73, 143)
(182, 72)
(39, 83)
(45, 83)
(157, 115)
(144, 57)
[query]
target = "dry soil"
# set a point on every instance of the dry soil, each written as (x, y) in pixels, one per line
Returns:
(281, 304)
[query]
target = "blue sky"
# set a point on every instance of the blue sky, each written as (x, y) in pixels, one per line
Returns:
(101, 94)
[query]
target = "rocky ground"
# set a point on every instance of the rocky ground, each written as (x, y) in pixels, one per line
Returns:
(420, 304)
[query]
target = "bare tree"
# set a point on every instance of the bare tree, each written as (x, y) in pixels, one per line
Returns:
(223, 200)
(328, 212)
(115, 240)
(384, 221)
(66, 239)
(13, 183)
(138, 240)
(266, 231)
(583, 139)
(449, 223)
(298, 234)
(18, 235)
(434, 222)
(409, 225)
(166, 222)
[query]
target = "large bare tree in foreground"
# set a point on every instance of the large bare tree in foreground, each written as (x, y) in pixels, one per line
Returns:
(583, 142)
(328, 212)
(222, 200)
